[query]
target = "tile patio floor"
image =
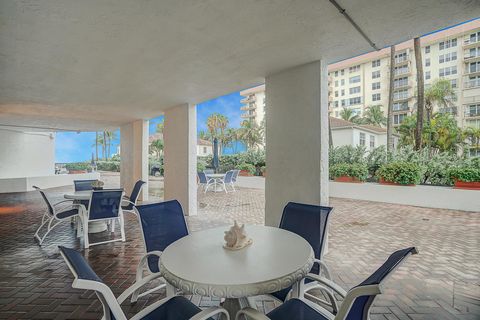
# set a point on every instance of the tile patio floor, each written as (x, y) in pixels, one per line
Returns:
(442, 282)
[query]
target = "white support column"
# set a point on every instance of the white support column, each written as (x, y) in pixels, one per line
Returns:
(296, 138)
(134, 156)
(180, 156)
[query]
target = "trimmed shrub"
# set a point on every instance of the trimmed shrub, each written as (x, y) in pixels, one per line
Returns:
(355, 170)
(247, 167)
(400, 172)
(465, 174)
(78, 166)
(108, 166)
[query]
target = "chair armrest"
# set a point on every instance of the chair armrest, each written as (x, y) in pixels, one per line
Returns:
(137, 285)
(327, 283)
(251, 313)
(63, 201)
(207, 313)
(126, 201)
(323, 266)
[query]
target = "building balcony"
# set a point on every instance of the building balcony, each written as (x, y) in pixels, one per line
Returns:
(471, 100)
(471, 72)
(401, 73)
(248, 99)
(471, 115)
(407, 85)
(467, 58)
(402, 60)
(400, 99)
(247, 115)
(471, 84)
(248, 107)
(401, 109)
(467, 43)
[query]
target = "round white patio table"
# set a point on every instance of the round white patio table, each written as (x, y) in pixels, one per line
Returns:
(94, 226)
(217, 178)
(198, 264)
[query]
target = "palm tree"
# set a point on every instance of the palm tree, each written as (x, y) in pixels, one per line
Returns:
(348, 115)
(217, 123)
(156, 148)
(390, 101)
(160, 126)
(203, 135)
(374, 115)
(230, 137)
(96, 145)
(473, 134)
(100, 141)
(420, 93)
(110, 137)
(440, 93)
(250, 134)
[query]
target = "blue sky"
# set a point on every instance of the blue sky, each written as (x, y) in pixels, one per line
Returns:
(73, 147)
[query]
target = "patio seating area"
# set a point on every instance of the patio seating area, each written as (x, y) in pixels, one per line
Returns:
(36, 283)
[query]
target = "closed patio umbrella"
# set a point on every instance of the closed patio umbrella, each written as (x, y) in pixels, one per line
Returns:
(215, 154)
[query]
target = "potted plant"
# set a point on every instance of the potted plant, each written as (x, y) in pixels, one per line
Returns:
(246, 169)
(349, 172)
(399, 173)
(466, 178)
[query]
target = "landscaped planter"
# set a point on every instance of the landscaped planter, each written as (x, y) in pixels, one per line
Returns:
(348, 179)
(467, 185)
(245, 173)
(381, 181)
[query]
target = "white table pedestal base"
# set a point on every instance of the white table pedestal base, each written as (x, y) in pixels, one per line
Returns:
(97, 226)
(233, 305)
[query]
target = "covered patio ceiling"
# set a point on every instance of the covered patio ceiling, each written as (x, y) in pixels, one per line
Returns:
(83, 65)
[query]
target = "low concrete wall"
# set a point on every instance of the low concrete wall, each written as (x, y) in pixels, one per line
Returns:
(421, 196)
(25, 183)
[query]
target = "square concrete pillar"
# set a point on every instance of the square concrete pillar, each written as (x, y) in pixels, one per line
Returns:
(134, 156)
(296, 138)
(180, 156)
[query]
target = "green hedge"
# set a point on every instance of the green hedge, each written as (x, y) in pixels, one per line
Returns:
(465, 174)
(400, 172)
(356, 170)
(78, 166)
(113, 166)
(248, 167)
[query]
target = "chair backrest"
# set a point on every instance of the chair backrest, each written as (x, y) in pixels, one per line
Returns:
(235, 175)
(309, 222)
(229, 177)
(105, 204)
(86, 278)
(49, 205)
(202, 177)
(162, 224)
(83, 185)
(135, 193)
(365, 292)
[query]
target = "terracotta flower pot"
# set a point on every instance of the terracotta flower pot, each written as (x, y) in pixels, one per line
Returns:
(245, 173)
(391, 183)
(467, 185)
(347, 179)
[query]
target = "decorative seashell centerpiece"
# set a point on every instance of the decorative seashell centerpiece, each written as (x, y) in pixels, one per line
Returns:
(97, 185)
(236, 238)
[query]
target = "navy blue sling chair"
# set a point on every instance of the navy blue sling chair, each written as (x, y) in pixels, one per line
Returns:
(129, 202)
(161, 224)
(311, 223)
(356, 302)
(170, 308)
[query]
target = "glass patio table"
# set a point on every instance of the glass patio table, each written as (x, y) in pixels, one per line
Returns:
(217, 178)
(198, 264)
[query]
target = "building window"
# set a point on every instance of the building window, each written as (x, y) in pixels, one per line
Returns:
(427, 49)
(447, 44)
(473, 82)
(354, 90)
(354, 79)
(336, 73)
(375, 85)
(372, 141)
(427, 62)
(400, 82)
(474, 67)
(398, 118)
(474, 123)
(342, 82)
(400, 106)
(336, 94)
(474, 37)
(362, 139)
(354, 69)
(336, 83)
(342, 72)
(375, 63)
(354, 101)
(453, 83)
(343, 92)
(336, 104)
(343, 102)
(400, 94)
(376, 74)
(473, 110)
(427, 75)
(401, 70)
(451, 56)
(447, 71)
(376, 97)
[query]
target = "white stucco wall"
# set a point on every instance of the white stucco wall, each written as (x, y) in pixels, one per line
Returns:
(296, 138)
(26, 154)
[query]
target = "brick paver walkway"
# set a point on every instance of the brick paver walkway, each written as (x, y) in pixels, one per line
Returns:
(439, 283)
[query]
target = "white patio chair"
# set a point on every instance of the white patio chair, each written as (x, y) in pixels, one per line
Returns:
(54, 215)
